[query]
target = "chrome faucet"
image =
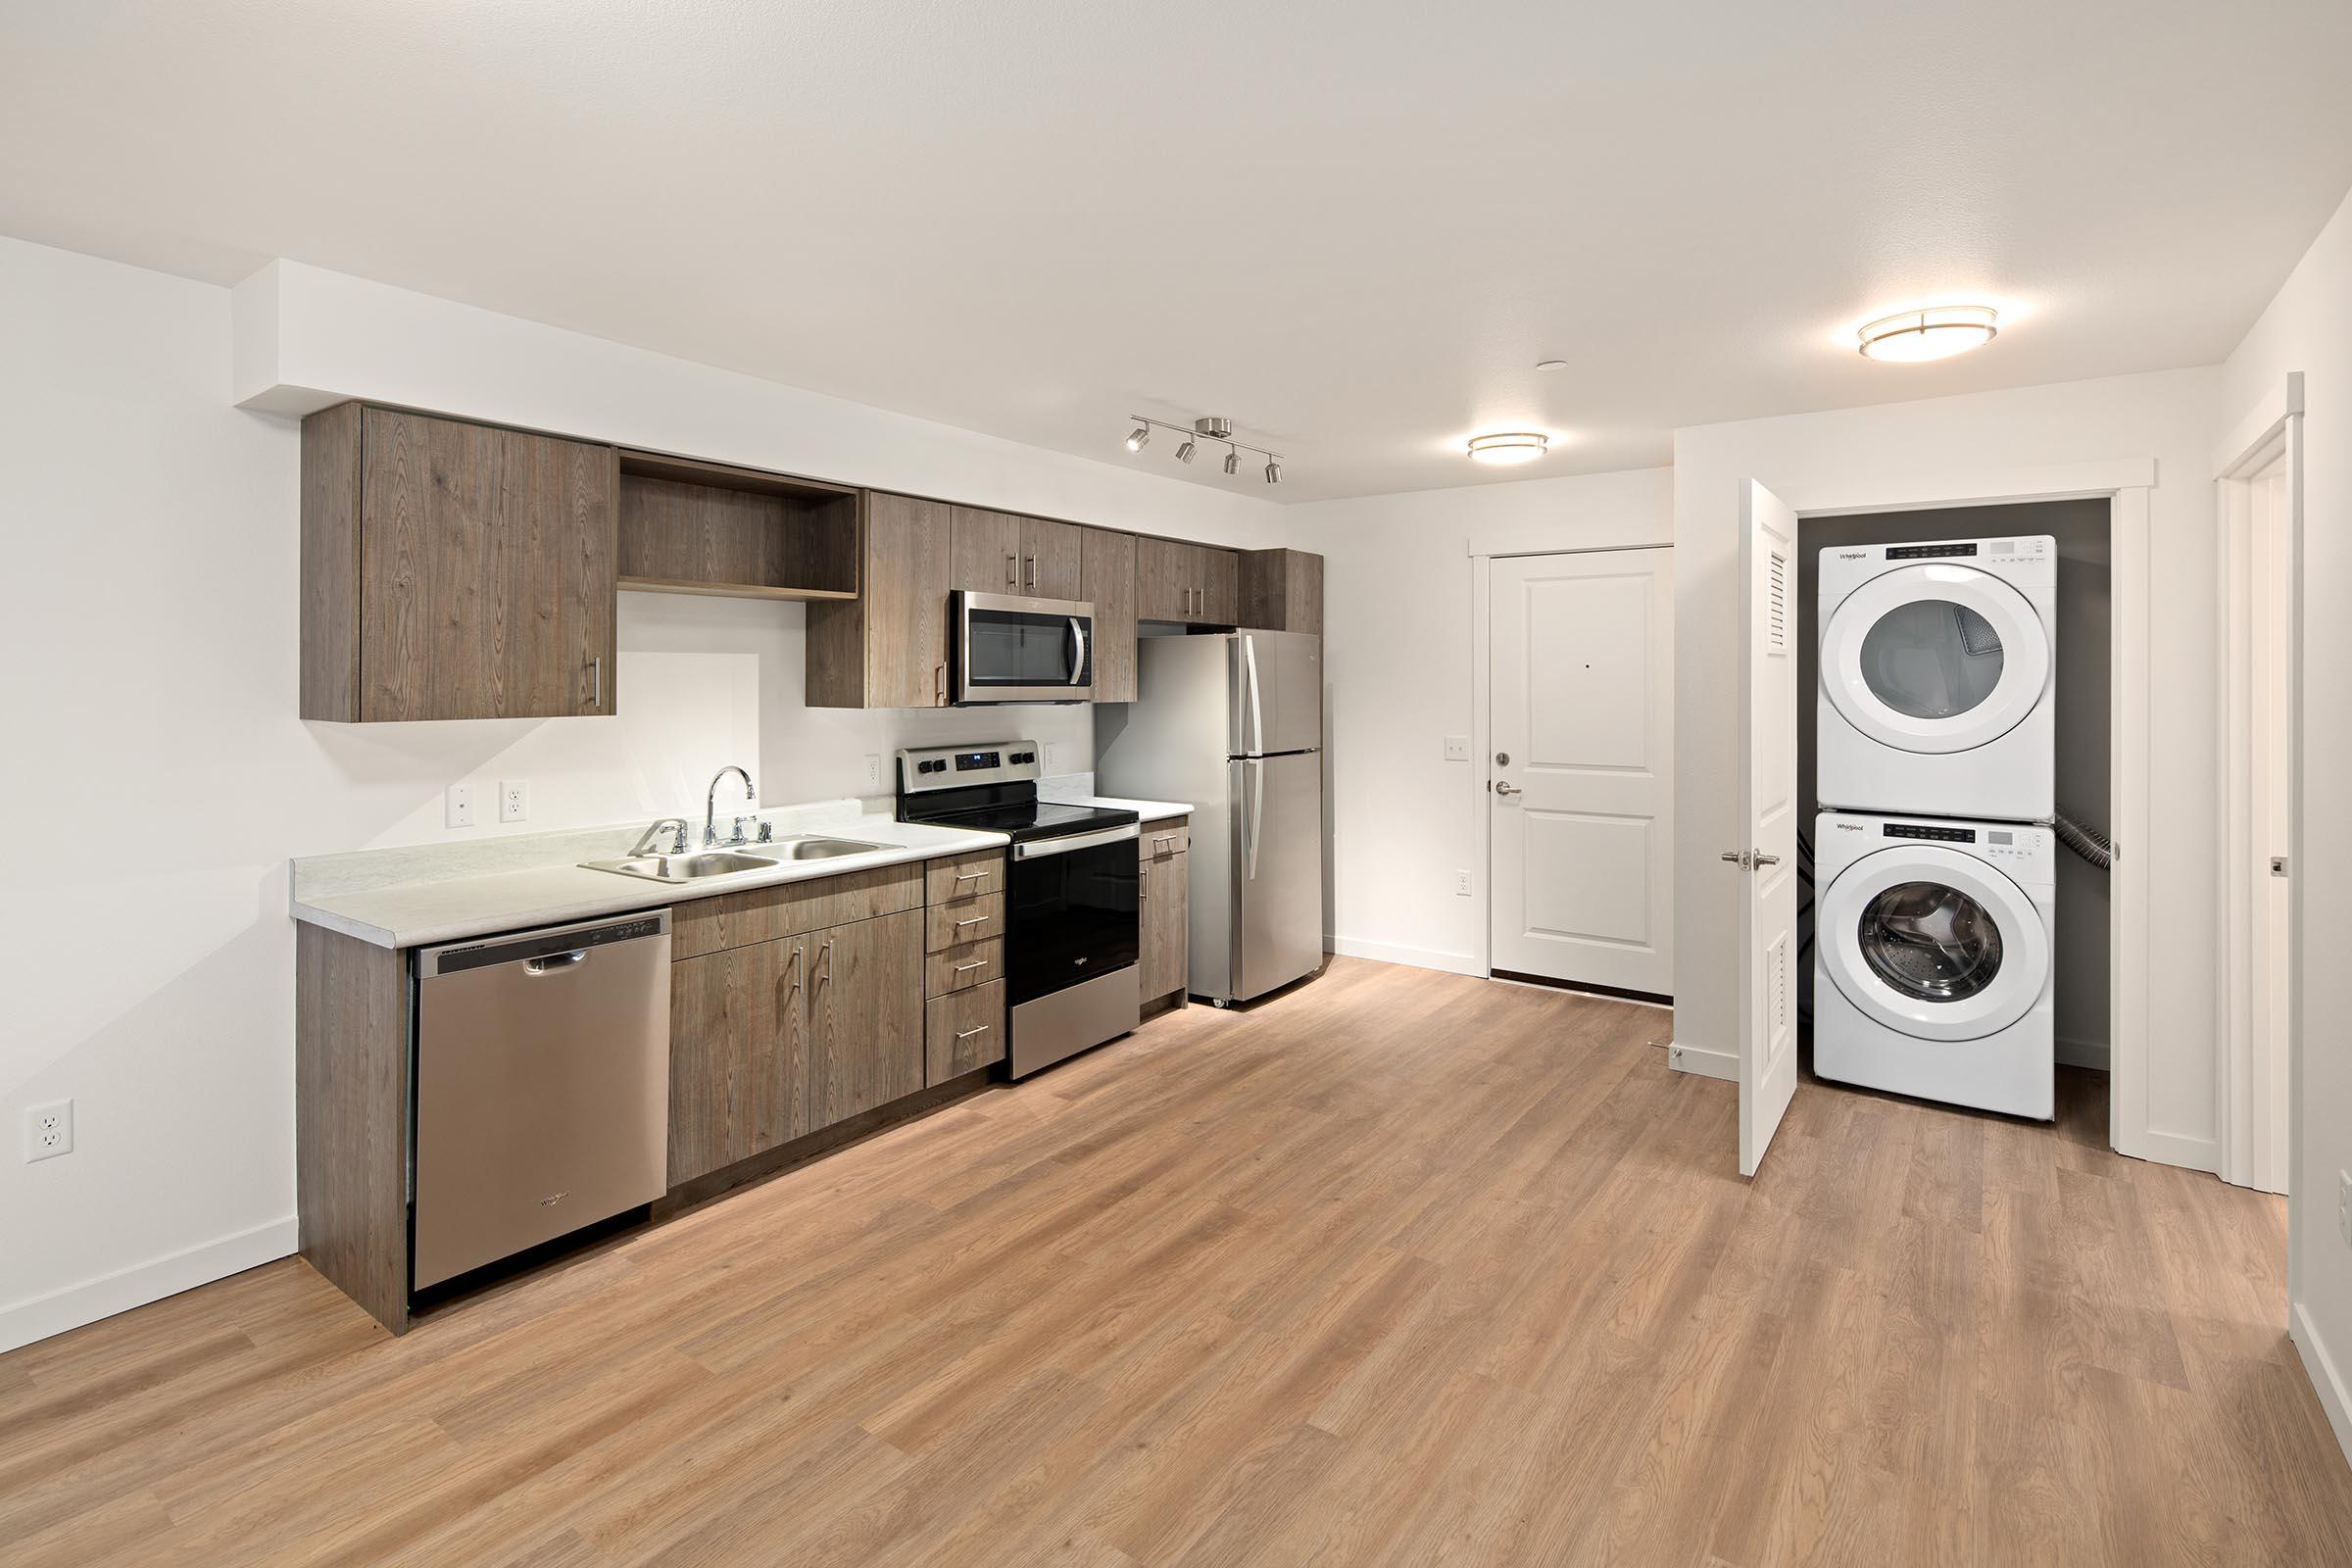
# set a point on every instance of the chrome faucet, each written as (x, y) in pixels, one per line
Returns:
(710, 806)
(647, 841)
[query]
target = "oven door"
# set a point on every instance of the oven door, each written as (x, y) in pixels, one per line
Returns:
(1073, 915)
(1013, 650)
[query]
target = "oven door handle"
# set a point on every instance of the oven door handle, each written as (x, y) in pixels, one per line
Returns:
(1078, 660)
(1034, 847)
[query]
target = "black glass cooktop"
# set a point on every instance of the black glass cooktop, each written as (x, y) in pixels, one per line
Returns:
(1028, 820)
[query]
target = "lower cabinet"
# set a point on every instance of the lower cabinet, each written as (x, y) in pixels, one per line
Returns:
(964, 1032)
(779, 1039)
(1164, 958)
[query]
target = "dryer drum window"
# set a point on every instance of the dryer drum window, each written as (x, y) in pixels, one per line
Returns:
(1931, 941)
(1932, 659)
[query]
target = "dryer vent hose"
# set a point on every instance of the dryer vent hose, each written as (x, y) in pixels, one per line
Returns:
(2087, 842)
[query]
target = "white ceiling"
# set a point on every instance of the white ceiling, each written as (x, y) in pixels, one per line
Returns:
(1352, 225)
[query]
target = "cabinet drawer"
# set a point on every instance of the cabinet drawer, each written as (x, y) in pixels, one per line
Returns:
(968, 876)
(975, 964)
(1162, 839)
(965, 920)
(963, 1031)
(739, 919)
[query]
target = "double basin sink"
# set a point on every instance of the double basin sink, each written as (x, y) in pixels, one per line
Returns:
(699, 865)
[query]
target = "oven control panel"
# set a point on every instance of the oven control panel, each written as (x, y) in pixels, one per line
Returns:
(939, 767)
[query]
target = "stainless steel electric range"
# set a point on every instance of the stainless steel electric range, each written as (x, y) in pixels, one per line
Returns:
(1070, 929)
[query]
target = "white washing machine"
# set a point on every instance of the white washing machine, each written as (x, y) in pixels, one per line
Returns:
(1938, 678)
(1931, 958)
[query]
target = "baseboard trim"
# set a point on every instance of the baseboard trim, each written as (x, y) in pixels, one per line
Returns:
(2092, 1053)
(1415, 957)
(40, 1316)
(2320, 1367)
(2171, 1148)
(1706, 1063)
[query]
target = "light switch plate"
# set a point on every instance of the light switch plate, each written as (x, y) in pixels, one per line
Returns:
(515, 800)
(460, 806)
(873, 770)
(1457, 748)
(1053, 759)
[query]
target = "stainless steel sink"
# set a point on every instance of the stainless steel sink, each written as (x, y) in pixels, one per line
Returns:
(700, 864)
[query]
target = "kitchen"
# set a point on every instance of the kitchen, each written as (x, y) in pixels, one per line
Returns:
(960, 663)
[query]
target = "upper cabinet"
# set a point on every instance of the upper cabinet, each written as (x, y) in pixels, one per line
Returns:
(693, 527)
(455, 570)
(988, 551)
(888, 648)
(1050, 560)
(1282, 590)
(1107, 580)
(1199, 584)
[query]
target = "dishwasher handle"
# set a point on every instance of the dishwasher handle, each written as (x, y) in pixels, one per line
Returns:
(555, 963)
(549, 952)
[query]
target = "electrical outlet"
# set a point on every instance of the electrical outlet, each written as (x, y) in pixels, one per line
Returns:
(1457, 748)
(1052, 760)
(515, 800)
(460, 806)
(1462, 883)
(2344, 1203)
(873, 770)
(49, 1130)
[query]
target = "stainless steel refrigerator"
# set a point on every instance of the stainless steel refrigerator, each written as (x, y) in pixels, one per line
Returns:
(1232, 724)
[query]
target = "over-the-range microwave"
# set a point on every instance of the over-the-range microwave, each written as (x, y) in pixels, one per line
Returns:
(1009, 648)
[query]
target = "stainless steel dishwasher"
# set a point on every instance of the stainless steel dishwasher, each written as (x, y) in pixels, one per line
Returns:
(542, 1087)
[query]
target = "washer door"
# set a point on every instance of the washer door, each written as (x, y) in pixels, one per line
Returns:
(1935, 657)
(1934, 943)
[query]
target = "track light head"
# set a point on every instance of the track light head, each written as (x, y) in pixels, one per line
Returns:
(1142, 436)
(1233, 460)
(1184, 452)
(1273, 471)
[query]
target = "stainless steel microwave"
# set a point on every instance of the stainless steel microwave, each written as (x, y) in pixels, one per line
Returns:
(1007, 649)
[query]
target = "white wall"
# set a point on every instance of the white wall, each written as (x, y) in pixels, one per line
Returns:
(1851, 454)
(2308, 328)
(1400, 651)
(148, 630)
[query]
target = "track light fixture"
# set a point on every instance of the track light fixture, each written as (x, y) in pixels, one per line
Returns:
(1212, 427)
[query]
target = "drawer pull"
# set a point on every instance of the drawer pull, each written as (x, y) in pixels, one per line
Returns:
(971, 876)
(967, 1033)
(977, 920)
(976, 964)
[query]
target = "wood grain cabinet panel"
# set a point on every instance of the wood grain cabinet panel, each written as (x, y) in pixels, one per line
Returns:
(966, 876)
(988, 551)
(1051, 558)
(1221, 587)
(738, 1049)
(963, 1032)
(763, 914)
(889, 646)
(1107, 580)
(352, 1092)
(1163, 579)
(1282, 590)
(866, 1018)
(975, 964)
(455, 571)
(1164, 960)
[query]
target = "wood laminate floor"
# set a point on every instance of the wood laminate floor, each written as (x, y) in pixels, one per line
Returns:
(1398, 1268)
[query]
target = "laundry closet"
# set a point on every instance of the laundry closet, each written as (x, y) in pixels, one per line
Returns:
(1959, 917)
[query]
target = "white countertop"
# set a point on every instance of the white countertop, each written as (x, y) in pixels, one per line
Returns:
(1149, 810)
(409, 897)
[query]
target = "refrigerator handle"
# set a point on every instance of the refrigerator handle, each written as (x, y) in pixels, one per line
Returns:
(1258, 715)
(1253, 816)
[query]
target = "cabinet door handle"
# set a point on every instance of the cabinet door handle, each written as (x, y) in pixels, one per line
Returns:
(1012, 572)
(796, 954)
(825, 957)
(595, 682)
(939, 686)
(1029, 569)
(967, 1033)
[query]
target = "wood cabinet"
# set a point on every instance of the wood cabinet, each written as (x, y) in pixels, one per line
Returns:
(779, 1039)
(963, 1032)
(889, 646)
(1165, 957)
(988, 551)
(455, 570)
(1051, 564)
(1107, 580)
(1282, 590)
(1197, 584)
(963, 972)
(694, 527)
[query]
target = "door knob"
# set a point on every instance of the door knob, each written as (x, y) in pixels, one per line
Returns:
(1735, 856)
(1509, 789)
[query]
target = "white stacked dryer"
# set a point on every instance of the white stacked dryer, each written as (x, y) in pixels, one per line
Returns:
(1935, 882)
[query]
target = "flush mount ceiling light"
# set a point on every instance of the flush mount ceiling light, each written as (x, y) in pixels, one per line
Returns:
(1510, 446)
(1935, 334)
(1212, 427)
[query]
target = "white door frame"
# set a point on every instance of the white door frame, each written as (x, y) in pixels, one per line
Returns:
(2125, 483)
(2251, 1154)
(1482, 739)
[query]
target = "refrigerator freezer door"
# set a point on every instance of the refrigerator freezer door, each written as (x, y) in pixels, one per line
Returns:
(1277, 683)
(1276, 870)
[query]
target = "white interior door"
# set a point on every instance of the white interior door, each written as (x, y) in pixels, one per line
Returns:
(1765, 860)
(1581, 840)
